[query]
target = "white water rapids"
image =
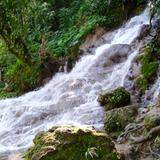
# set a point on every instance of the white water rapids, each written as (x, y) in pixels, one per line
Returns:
(71, 98)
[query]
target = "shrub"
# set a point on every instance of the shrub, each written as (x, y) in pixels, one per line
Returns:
(115, 99)
(22, 77)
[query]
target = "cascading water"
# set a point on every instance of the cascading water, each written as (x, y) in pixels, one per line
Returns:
(71, 98)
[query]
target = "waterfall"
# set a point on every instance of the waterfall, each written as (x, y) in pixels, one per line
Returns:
(71, 98)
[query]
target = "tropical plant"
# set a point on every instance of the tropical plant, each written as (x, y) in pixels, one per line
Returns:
(91, 153)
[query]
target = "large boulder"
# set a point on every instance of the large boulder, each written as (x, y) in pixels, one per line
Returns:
(72, 143)
(117, 119)
(114, 99)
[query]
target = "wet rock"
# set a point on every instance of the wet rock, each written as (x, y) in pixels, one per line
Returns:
(141, 139)
(46, 80)
(93, 37)
(114, 99)
(144, 31)
(119, 53)
(50, 66)
(15, 156)
(74, 55)
(117, 119)
(120, 50)
(68, 142)
(113, 55)
(152, 118)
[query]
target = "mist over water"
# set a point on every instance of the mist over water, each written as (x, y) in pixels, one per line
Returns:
(71, 98)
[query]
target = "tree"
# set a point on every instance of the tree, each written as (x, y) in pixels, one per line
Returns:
(22, 24)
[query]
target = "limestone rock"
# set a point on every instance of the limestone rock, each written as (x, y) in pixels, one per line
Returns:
(72, 143)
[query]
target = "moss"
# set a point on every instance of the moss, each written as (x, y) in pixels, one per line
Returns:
(149, 61)
(115, 99)
(151, 120)
(113, 123)
(149, 70)
(117, 119)
(31, 151)
(141, 83)
(71, 143)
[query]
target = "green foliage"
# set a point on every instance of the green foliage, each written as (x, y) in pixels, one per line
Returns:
(151, 121)
(4, 94)
(65, 40)
(31, 151)
(118, 98)
(149, 65)
(2, 85)
(91, 153)
(141, 83)
(149, 70)
(22, 25)
(22, 77)
(115, 98)
(6, 59)
(116, 120)
(35, 29)
(113, 124)
(79, 18)
(72, 144)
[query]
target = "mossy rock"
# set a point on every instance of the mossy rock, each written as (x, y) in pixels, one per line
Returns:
(149, 61)
(72, 143)
(114, 99)
(117, 119)
(141, 83)
(151, 120)
(149, 70)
